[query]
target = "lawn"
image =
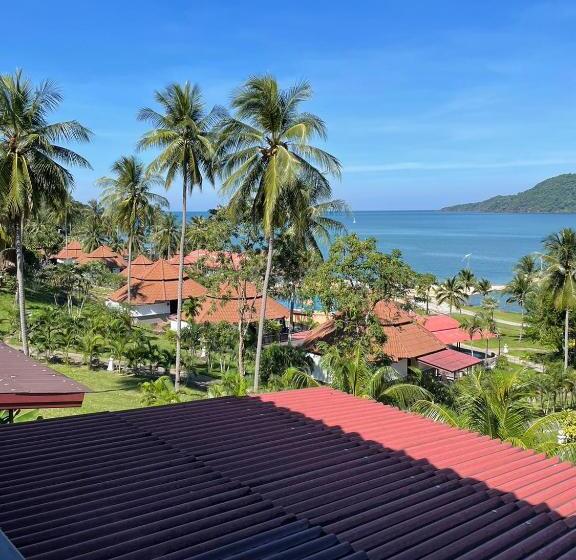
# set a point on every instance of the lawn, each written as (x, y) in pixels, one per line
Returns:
(498, 314)
(112, 391)
(511, 336)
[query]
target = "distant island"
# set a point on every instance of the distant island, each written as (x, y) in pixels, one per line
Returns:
(554, 195)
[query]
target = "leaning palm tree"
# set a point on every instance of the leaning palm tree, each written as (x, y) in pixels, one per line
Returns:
(165, 237)
(561, 276)
(130, 201)
(263, 149)
(518, 291)
(452, 292)
(32, 161)
(182, 131)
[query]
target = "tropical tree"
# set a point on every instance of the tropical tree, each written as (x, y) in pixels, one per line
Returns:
(518, 291)
(527, 266)
(32, 161)
(489, 305)
(160, 391)
(468, 281)
(263, 150)
(473, 325)
(92, 231)
(130, 201)
(182, 131)
(353, 374)
(561, 276)
(451, 292)
(424, 288)
(483, 287)
(165, 236)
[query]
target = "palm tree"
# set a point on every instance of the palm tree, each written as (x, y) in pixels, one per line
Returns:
(472, 325)
(165, 236)
(489, 305)
(468, 281)
(92, 232)
(129, 200)
(561, 275)
(518, 291)
(262, 151)
(483, 287)
(452, 292)
(527, 266)
(350, 372)
(32, 161)
(183, 133)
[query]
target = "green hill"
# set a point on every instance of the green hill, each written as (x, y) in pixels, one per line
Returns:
(554, 195)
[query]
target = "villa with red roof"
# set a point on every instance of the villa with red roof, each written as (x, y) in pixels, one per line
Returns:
(408, 343)
(226, 307)
(105, 255)
(155, 297)
(71, 253)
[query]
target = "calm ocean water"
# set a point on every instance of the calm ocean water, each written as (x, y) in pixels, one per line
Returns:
(437, 242)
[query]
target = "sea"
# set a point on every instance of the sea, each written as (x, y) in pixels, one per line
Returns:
(445, 242)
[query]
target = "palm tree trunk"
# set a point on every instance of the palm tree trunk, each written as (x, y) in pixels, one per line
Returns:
(129, 293)
(20, 282)
(180, 282)
(291, 324)
(263, 312)
(521, 322)
(240, 349)
(566, 329)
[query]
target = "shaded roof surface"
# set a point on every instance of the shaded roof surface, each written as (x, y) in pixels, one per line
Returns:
(450, 360)
(25, 383)
(313, 474)
(214, 259)
(105, 255)
(162, 271)
(389, 313)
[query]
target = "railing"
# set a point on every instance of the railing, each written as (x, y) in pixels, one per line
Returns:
(275, 338)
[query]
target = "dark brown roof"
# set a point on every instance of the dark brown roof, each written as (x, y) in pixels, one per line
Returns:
(313, 474)
(25, 383)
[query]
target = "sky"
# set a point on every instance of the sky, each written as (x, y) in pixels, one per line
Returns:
(427, 102)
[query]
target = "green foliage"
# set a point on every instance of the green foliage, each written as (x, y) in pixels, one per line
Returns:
(555, 195)
(277, 358)
(160, 391)
(231, 385)
(452, 292)
(20, 416)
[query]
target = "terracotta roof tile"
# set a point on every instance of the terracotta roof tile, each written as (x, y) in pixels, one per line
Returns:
(105, 255)
(71, 251)
(140, 267)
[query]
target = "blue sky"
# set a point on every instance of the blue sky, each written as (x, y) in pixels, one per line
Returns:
(427, 103)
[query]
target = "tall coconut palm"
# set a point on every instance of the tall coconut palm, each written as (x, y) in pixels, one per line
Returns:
(32, 161)
(483, 287)
(452, 292)
(262, 150)
(165, 237)
(468, 281)
(518, 291)
(92, 232)
(473, 325)
(527, 266)
(561, 276)
(130, 201)
(182, 131)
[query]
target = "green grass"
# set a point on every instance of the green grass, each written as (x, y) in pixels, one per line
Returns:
(34, 300)
(498, 314)
(511, 336)
(112, 391)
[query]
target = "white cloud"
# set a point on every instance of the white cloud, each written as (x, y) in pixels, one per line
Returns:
(438, 166)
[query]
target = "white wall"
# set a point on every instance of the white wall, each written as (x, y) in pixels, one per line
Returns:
(183, 324)
(144, 311)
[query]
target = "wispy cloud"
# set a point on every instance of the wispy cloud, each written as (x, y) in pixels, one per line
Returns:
(438, 166)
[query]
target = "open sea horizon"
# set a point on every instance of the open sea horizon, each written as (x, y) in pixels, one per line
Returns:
(438, 242)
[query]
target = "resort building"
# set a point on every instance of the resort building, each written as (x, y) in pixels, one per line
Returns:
(214, 259)
(155, 297)
(311, 474)
(103, 254)
(408, 344)
(227, 307)
(71, 253)
(140, 267)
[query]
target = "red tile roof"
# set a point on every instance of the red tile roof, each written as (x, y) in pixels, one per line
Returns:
(298, 475)
(71, 251)
(448, 330)
(105, 255)
(214, 259)
(450, 360)
(25, 383)
(160, 284)
(405, 337)
(140, 267)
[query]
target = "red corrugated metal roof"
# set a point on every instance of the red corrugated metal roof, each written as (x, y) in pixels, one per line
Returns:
(450, 360)
(25, 383)
(448, 330)
(311, 474)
